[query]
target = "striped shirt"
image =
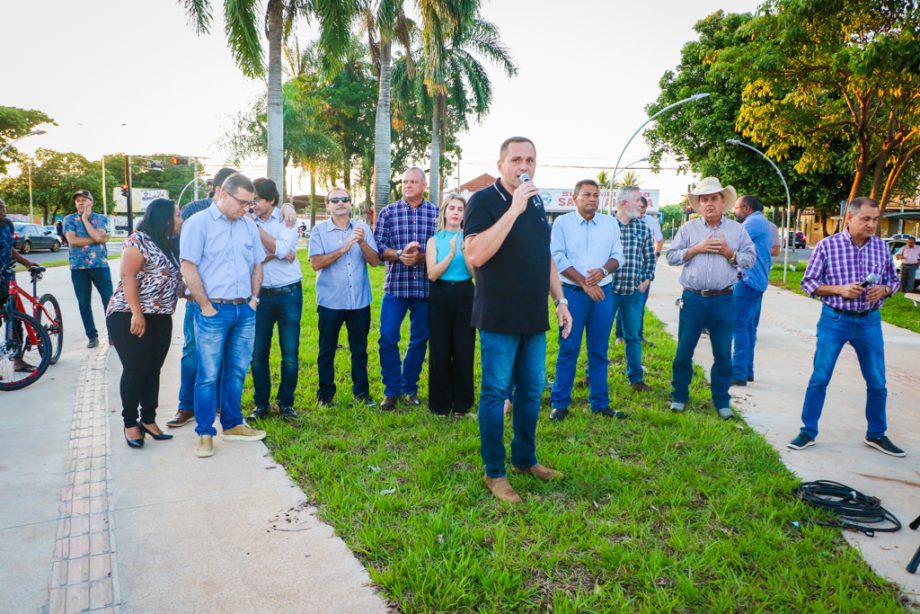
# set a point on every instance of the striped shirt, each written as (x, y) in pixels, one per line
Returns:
(639, 257)
(398, 224)
(838, 261)
(711, 271)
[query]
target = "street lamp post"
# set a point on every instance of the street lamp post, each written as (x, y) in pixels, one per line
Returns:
(612, 180)
(697, 96)
(28, 134)
(788, 199)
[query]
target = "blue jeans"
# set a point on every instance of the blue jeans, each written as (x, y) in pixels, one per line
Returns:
(189, 364)
(716, 314)
(595, 319)
(865, 335)
(225, 343)
(401, 376)
(619, 320)
(83, 282)
(744, 331)
(507, 359)
(631, 309)
(285, 310)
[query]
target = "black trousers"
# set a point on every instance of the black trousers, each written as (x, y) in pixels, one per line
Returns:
(358, 324)
(451, 344)
(141, 361)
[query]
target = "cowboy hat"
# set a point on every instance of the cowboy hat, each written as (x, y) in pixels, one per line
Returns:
(712, 185)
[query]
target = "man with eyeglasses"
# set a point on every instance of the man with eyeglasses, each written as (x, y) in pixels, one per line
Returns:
(222, 256)
(340, 250)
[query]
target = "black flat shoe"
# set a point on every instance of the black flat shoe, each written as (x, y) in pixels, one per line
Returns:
(157, 436)
(134, 443)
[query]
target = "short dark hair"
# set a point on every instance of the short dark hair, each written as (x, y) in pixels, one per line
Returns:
(236, 181)
(266, 188)
(221, 176)
(644, 201)
(751, 202)
(857, 203)
(514, 139)
(583, 183)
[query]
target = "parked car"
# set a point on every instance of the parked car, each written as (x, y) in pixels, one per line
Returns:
(796, 239)
(28, 237)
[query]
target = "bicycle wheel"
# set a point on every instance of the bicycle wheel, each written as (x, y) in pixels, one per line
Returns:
(49, 316)
(22, 338)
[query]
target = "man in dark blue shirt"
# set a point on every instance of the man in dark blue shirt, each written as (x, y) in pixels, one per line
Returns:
(8, 254)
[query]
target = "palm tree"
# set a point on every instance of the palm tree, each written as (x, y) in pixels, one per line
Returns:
(453, 76)
(242, 29)
(627, 178)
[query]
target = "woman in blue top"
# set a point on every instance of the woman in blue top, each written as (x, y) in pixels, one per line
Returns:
(451, 338)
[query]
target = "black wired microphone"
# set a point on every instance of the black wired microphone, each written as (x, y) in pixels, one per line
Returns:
(535, 199)
(871, 279)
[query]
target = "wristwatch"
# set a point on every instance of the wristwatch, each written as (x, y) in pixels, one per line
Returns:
(253, 298)
(734, 258)
(560, 301)
(399, 253)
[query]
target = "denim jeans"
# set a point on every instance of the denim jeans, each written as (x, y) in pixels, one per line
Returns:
(520, 359)
(189, 364)
(285, 310)
(358, 324)
(83, 282)
(631, 308)
(865, 335)
(619, 320)
(400, 376)
(595, 320)
(744, 331)
(698, 312)
(225, 342)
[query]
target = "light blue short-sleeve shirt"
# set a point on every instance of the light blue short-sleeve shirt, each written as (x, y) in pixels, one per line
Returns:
(585, 245)
(224, 251)
(344, 284)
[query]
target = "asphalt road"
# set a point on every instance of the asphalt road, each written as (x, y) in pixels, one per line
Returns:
(114, 247)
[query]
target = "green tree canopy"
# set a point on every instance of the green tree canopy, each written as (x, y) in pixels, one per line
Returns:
(16, 123)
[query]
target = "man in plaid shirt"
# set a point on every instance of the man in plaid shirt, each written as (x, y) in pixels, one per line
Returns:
(631, 281)
(403, 228)
(852, 272)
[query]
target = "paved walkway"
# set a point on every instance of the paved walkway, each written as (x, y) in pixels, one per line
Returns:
(773, 404)
(93, 525)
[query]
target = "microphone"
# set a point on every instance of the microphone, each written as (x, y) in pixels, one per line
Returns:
(535, 199)
(871, 279)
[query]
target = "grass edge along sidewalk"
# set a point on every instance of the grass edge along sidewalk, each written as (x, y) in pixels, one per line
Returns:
(658, 512)
(897, 310)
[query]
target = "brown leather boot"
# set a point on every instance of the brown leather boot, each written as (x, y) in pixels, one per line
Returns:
(539, 471)
(182, 417)
(501, 488)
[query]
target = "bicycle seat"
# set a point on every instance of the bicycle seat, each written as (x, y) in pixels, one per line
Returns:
(36, 269)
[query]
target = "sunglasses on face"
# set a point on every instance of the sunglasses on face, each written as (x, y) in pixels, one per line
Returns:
(339, 199)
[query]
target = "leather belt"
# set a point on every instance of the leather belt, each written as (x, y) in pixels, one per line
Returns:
(227, 301)
(288, 289)
(855, 314)
(453, 283)
(708, 293)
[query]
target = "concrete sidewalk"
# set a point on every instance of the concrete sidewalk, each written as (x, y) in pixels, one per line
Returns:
(95, 525)
(773, 403)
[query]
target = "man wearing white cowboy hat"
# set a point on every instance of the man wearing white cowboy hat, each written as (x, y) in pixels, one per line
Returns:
(711, 249)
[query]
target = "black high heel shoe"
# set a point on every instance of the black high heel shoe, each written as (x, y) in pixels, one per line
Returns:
(158, 436)
(135, 443)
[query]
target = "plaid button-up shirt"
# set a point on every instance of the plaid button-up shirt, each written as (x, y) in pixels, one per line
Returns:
(398, 224)
(838, 261)
(639, 257)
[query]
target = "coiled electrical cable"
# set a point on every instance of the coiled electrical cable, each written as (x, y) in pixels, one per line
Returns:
(856, 511)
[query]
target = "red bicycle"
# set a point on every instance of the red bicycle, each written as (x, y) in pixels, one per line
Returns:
(29, 343)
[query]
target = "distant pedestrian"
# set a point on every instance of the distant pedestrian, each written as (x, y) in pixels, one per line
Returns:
(402, 232)
(59, 227)
(340, 251)
(89, 266)
(451, 337)
(909, 256)
(711, 248)
(507, 241)
(585, 246)
(853, 273)
(748, 294)
(139, 316)
(280, 302)
(222, 257)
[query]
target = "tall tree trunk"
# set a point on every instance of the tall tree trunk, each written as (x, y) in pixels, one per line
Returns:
(312, 198)
(275, 31)
(382, 130)
(347, 179)
(895, 174)
(434, 179)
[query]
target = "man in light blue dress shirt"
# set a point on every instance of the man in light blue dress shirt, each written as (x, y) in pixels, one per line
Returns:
(222, 256)
(340, 250)
(586, 247)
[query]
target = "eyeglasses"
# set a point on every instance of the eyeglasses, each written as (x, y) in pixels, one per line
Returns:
(242, 203)
(339, 199)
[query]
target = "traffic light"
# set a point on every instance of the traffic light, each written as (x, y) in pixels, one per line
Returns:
(124, 190)
(179, 161)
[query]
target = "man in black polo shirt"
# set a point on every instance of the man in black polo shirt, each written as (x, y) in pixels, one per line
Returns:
(506, 238)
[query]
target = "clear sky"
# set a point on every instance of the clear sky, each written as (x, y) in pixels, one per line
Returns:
(133, 76)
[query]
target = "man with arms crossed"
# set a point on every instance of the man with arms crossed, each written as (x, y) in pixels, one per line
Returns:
(89, 265)
(506, 239)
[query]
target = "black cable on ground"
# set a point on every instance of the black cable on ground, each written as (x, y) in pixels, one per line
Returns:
(856, 511)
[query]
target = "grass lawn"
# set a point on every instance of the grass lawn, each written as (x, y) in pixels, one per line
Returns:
(897, 310)
(659, 512)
